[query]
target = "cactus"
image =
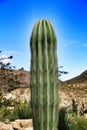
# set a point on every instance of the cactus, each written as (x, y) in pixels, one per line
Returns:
(44, 76)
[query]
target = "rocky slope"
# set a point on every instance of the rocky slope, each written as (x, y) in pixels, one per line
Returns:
(15, 84)
(76, 89)
(12, 79)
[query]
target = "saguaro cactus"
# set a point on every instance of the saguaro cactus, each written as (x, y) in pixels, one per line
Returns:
(44, 76)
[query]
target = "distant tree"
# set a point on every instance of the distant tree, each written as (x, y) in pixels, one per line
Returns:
(6, 65)
(8, 78)
(22, 68)
(4, 58)
(60, 72)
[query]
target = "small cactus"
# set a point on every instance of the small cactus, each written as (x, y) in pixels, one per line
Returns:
(44, 76)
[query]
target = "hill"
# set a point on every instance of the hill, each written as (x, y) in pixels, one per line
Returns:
(12, 79)
(82, 78)
(76, 89)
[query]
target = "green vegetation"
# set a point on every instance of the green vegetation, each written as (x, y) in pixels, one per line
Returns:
(12, 110)
(64, 122)
(71, 121)
(23, 110)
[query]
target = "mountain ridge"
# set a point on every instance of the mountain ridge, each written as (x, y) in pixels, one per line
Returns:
(81, 78)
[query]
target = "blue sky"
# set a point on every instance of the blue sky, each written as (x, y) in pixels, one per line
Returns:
(69, 18)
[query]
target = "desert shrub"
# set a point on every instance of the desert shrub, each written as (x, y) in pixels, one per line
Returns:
(64, 122)
(81, 123)
(16, 111)
(5, 102)
(22, 111)
(74, 107)
(4, 114)
(69, 122)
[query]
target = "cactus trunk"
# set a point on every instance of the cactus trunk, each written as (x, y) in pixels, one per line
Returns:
(44, 76)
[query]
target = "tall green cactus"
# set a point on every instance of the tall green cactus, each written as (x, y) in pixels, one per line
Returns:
(44, 76)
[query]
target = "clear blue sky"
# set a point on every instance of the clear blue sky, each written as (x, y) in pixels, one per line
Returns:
(69, 18)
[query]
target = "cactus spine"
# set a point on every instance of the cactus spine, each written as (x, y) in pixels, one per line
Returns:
(44, 76)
